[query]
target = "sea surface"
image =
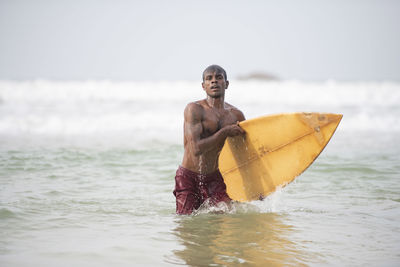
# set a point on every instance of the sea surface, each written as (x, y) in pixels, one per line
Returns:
(87, 172)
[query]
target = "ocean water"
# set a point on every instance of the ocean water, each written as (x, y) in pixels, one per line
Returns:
(87, 172)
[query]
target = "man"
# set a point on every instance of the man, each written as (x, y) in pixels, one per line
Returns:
(207, 123)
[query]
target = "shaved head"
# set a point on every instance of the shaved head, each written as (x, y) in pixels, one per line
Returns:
(215, 68)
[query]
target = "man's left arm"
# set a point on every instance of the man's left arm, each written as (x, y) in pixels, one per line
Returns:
(239, 115)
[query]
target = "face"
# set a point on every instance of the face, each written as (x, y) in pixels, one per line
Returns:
(215, 84)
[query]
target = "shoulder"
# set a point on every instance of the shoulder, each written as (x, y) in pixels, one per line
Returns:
(194, 107)
(237, 112)
(194, 111)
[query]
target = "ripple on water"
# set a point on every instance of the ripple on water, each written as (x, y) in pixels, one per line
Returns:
(7, 214)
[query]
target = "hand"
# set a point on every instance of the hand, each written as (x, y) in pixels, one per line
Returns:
(234, 130)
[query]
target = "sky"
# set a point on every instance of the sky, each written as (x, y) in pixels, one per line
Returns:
(156, 40)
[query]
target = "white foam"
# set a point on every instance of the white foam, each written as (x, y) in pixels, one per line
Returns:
(154, 110)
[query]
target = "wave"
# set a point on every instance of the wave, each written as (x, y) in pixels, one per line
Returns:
(154, 110)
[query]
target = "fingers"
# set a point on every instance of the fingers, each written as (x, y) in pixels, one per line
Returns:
(236, 130)
(240, 128)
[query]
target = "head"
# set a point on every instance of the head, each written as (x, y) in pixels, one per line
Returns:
(215, 81)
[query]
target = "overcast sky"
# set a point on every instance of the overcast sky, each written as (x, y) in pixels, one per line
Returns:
(310, 40)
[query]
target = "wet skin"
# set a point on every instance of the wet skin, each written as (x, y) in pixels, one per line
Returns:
(207, 123)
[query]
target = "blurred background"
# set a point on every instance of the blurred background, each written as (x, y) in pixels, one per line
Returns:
(309, 40)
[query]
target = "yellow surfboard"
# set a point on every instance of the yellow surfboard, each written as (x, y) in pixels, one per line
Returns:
(275, 150)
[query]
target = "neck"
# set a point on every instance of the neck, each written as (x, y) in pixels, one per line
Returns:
(216, 102)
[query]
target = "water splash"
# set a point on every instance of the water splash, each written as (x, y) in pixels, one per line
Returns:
(274, 203)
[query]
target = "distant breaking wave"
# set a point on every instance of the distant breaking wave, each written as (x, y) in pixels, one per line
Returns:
(148, 111)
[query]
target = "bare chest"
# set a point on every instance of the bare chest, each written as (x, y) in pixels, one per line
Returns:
(213, 121)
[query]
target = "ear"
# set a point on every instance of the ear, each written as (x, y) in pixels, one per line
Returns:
(202, 85)
(227, 84)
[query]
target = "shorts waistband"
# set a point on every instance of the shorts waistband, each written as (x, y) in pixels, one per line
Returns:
(199, 176)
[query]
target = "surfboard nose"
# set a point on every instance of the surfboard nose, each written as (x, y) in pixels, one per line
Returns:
(335, 117)
(317, 120)
(331, 117)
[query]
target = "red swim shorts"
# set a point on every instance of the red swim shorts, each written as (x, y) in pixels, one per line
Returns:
(192, 189)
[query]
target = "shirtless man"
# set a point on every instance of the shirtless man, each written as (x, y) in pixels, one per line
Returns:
(207, 123)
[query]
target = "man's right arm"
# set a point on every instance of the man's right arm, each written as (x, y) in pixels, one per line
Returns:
(193, 129)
